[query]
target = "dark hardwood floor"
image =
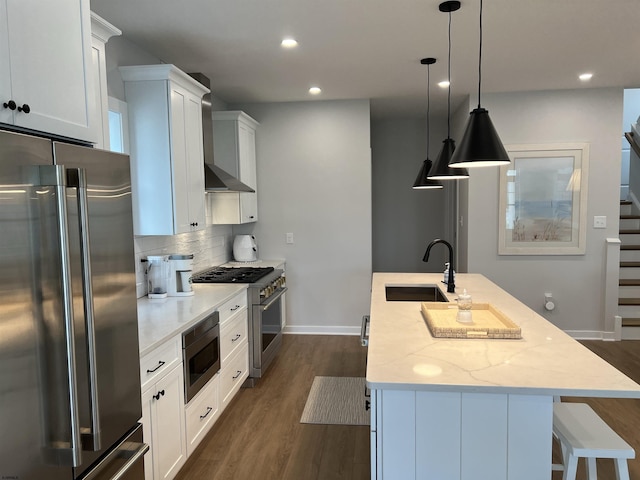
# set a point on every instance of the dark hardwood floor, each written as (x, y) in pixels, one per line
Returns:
(623, 415)
(259, 436)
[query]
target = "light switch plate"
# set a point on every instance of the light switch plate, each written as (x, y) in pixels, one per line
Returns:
(599, 222)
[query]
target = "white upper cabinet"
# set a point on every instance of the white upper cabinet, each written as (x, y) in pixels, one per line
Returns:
(234, 147)
(46, 74)
(167, 162)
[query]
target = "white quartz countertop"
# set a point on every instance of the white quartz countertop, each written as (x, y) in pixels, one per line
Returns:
(162, 319)
(403, 355)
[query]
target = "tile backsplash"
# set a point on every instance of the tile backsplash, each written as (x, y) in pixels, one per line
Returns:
(210, 247)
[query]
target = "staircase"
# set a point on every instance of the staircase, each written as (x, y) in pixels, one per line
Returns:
(629, 283)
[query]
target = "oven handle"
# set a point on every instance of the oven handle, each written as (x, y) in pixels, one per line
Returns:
(273, 300)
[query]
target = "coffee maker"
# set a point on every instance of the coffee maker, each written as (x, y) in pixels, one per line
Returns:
(180, 270)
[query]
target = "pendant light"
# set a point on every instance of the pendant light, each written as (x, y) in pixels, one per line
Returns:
(480, 146)
(441, 170)
(422, 182)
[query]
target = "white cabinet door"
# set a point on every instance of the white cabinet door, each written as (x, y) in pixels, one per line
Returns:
(6, 115)
(235, 152)
(163, 407)
(49, 49)
(247, 171)
(195, 162)
(179, 159)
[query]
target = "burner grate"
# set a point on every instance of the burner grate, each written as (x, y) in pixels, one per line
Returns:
(231, 275)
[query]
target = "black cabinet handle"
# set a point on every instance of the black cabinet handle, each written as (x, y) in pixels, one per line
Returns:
(160, 363)
(238, 373)
(194, 224)
(24, 108)
(367, 405)
(159, 394)
(235, 308)
(202, 417)
(251, 216)
(11, 105)
(236, 337)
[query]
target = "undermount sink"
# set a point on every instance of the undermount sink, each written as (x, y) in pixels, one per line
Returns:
(414, 293)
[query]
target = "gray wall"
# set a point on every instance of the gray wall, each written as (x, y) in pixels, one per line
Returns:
(405, 220)
(586, 115)
(314, 180)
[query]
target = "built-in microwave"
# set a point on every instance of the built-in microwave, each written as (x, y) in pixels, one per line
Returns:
(201, 354)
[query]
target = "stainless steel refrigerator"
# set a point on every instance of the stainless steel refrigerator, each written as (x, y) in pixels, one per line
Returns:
(69, 364)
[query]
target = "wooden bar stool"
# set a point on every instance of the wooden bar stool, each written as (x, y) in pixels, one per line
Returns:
(582, 433)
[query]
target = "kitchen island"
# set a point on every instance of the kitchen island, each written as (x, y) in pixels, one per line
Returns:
(450, 408)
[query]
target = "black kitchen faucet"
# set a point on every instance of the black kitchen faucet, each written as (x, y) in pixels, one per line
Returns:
(451, 286)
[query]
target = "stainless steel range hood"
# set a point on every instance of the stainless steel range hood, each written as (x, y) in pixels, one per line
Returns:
(215, 178)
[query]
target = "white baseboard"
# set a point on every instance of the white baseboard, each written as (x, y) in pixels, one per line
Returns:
(592, 335)
(320, 330)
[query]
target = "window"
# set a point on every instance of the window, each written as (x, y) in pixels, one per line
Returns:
(118, 126)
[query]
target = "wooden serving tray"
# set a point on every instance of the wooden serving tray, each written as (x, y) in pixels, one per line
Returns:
(488, 322)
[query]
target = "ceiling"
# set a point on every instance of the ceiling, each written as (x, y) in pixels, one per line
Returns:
(356, 49)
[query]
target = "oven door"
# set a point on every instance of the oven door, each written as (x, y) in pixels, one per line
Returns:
(201, 362)
(267, 331)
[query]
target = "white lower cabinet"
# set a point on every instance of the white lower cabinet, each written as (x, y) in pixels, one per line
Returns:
(201, 413)
(460, 436)
(234, 350)
(233, 374)
(163, 423)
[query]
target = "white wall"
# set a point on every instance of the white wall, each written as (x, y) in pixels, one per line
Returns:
(314, 180)
(586, 115)
(405, 220)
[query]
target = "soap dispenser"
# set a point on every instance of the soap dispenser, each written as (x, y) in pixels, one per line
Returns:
(446, 274)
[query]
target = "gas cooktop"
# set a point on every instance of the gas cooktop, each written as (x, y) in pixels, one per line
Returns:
(231, 275)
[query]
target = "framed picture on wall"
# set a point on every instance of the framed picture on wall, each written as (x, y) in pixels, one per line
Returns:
(543, 200)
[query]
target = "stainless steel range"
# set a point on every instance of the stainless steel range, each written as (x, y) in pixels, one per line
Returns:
(266, 286)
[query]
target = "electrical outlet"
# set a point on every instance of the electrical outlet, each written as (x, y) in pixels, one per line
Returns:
(599, 221)
(289, 238)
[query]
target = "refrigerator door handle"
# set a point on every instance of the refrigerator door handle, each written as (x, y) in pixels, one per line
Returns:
(76, 177)
(142, 448)
(55, 176)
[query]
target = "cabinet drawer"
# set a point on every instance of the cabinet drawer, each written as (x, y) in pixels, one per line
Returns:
(233, 334)
(233, 306)
(158, 362)
(201, 413)
(234, 374)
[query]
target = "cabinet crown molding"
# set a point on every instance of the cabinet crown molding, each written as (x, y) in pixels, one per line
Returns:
(103, 30)
(164, 71)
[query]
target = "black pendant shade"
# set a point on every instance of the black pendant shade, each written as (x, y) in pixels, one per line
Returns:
(440, 169)
(480, 145)
(422, 182)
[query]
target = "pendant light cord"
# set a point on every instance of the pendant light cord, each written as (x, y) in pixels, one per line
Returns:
(428, 104)
(449, 87)
(480, 58)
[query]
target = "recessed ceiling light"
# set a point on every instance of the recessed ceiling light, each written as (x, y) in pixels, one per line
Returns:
(585, 77)
(443, 84)
(289, 43)
(315, 90)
